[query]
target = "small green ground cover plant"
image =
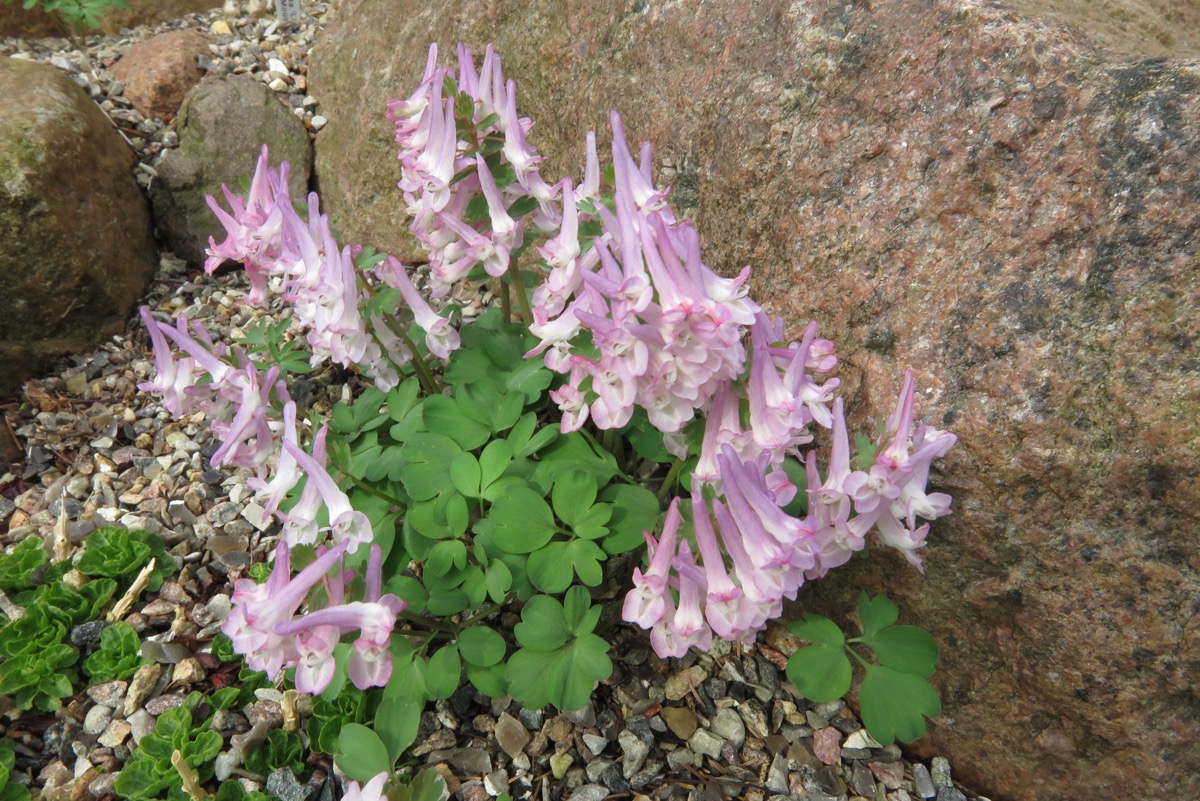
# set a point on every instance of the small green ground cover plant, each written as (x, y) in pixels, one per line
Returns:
(38, 665)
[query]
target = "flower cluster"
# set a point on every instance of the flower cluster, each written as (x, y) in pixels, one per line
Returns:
(264, 627)
(255, 431)
(769, 554)
(450, 157)
(663, 331)
(320, 280)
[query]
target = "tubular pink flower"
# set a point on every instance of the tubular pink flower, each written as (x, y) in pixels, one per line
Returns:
(173, 378)
(646, 603)
(346, 524)
(287, 471)
(836, 541)
(401, 111)
(687, 627)
(723, 607)
(502, 224)
(516, 150)
(832, 494)
(259, 609)
(629, 177)
(315, 665)
(779, 543)
(590, 187)
(440, 336)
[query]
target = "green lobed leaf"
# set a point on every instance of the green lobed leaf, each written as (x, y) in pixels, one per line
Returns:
(361, 755)
(821, 672)
(895, 704)
(908, 649)
(634, 510)
(443, 673)
(481, 646)
(573, 495)
(447, 416)
(876, 613)
(465, 475)
(585, 557)
(474, 585)
(489, 680)
(396, 722)
(527, 676)
(543, 625)
(428, 458)
(818, 630)
(521, 520)
(546, 568)
(498, 580)
(493, 461)
(575, 451)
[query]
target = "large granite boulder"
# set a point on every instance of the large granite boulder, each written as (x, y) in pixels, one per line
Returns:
(76, 248)
(223, 124)
(945, 185)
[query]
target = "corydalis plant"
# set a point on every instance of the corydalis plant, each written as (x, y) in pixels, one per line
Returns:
(672, 387)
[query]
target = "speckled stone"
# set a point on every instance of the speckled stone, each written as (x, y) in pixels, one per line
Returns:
(950, 187)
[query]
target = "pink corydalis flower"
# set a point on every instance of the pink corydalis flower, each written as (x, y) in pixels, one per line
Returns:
(440, 335)
(647, 602)
(346, 524)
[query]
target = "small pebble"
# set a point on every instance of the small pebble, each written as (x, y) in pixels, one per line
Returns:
(939, 769)
(923, 781)
(707, 743)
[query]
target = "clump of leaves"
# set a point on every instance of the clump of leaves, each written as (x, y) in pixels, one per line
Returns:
(149, 774)
(38, 666)
(117, 657)
(120, 554)
(76, 13)
(499, 507)
(9, 790)
(895, 696)
(17, 569)
(268, 341)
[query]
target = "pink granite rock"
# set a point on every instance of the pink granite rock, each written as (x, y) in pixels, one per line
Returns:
(947, 186)
(159, 71)
(827, 745)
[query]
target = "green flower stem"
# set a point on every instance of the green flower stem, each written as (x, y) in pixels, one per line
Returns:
(518, 283)
(484, 611)
(429, 623)
(670, 480)
(370, 490)
(424, 374)
(855, 654)
(505, 299)
(422, 633)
